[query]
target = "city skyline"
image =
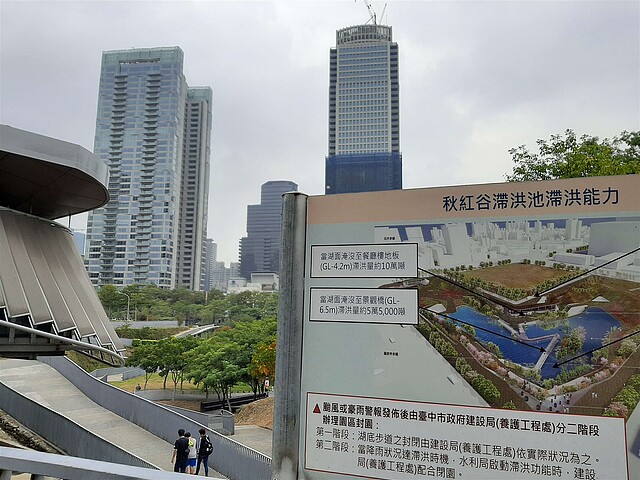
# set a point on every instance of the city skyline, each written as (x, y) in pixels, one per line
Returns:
(485, 77)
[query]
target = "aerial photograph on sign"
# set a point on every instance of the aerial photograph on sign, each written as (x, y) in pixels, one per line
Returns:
(533, 312)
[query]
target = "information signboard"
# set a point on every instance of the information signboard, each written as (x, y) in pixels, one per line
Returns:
(528, 314)
(361, 261)
(392, 440)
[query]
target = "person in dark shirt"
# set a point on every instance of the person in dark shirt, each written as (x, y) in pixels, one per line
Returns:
(180, 453)
(204, 450)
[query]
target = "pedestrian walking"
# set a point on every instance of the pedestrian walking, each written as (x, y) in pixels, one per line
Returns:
(205, 449)
(180, 452)
(192, 455)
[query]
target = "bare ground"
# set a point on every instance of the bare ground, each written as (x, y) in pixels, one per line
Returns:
(258, 413)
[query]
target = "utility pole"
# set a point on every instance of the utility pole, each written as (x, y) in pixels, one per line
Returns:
(128, 304)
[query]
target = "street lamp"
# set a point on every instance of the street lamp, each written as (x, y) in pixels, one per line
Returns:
(128, 303)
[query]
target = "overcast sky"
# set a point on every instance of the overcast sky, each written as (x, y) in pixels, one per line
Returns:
(476, 79)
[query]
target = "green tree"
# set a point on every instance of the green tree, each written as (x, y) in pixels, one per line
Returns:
(114, 303)
(248, 336)
(146, 357)
(173, 358)
(263, 363)
(567, 156)
(627, 347)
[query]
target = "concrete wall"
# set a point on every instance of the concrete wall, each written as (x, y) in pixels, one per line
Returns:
(63, 432)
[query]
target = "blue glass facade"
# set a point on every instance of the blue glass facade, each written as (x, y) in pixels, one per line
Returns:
(364, 112)
(367, 172)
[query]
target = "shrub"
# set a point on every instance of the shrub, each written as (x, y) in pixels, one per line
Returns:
(485, 388)
(634, 382)
(462, 366)
(627, 347)
(616, 409)
(628, 396)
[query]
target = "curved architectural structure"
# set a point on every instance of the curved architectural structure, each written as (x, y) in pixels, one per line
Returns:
(47, 303)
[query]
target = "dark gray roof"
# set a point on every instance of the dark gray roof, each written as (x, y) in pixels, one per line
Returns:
(47, 177)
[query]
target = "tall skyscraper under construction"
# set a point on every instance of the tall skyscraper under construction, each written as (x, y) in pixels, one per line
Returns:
(364, 112)
(153, 131)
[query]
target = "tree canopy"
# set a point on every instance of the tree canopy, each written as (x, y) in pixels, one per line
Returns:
(242, 350)
(569, 156)
(150, 302)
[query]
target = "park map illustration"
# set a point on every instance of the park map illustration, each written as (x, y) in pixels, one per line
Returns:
(533, 314)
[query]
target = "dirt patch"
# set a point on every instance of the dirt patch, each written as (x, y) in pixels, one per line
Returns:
(14, 433)
(258, 413)
(188, 404)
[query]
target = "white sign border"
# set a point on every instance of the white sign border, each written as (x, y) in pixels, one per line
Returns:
(365, 322)
(504, 412)
(372, 246)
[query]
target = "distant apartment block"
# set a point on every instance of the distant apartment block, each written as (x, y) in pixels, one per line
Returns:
(153, 132)
(364, 112)
(210, 257)
(80, 239)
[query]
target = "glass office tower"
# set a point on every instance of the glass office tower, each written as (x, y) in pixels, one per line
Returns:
(260, 249)
(153, 132)
(364, 112)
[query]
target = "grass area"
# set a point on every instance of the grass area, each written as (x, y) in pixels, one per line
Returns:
(156, 382)
(85, 362)
(516, 275)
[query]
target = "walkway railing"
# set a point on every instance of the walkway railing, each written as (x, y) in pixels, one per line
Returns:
(232, 459)
(41, 465)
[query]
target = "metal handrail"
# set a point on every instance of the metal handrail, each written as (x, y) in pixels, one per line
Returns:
(15, 460)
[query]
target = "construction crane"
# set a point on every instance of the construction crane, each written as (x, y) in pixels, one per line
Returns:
(372, 13)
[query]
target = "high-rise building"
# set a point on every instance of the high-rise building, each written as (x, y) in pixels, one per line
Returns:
(80, 239)
(153, 131)
(219, 276)
(260, 249)
(364, 112)
(194, 198)
(211, 256)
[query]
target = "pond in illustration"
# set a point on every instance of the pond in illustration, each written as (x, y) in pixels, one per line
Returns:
(595, 321)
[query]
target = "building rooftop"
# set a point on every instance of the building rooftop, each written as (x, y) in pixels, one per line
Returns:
(47, 177)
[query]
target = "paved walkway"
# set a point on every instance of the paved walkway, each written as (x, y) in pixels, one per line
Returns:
(46, 386)
(258, 438)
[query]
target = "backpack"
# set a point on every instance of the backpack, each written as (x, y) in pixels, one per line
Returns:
(206, 447)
